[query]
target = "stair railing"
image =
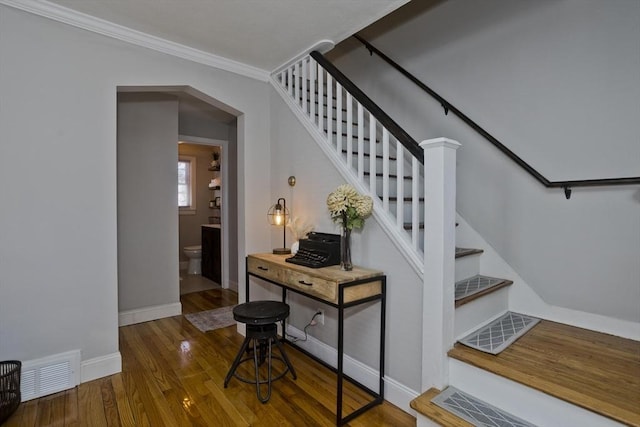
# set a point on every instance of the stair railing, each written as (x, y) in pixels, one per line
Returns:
(364, 139)
(447, 106)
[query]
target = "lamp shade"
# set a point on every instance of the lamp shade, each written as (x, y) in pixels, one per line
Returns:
(278, 215)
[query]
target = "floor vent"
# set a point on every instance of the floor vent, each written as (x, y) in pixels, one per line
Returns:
(50, 375)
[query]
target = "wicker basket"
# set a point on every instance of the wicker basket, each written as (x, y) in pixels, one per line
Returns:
(9, 388)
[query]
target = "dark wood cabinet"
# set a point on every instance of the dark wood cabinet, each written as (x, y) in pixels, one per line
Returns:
(211, 257)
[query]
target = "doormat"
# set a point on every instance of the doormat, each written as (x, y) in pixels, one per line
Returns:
(499, 334)
(212, 319)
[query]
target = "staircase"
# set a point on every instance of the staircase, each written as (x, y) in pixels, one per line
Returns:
(384, 162)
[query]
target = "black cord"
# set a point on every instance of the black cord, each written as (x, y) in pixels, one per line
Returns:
(296, 339)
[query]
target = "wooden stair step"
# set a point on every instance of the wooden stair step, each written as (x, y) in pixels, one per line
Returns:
(463, 252)
(592, 370)
(378, 156)
(404, 199)
(409, 226)
(353, 137)
(379, 175)
(423, 405)
(477, 286)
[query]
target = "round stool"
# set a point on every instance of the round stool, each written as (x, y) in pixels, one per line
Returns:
(261, 318)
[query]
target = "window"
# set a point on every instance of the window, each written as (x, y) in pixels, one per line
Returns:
(186, 185)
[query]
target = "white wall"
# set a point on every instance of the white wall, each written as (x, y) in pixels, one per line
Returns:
(295, 153)
(558, 83)
(58, 249)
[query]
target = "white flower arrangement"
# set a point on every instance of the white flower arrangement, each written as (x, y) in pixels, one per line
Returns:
(348, 207)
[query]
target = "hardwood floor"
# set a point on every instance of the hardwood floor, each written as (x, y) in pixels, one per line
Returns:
(172, 375)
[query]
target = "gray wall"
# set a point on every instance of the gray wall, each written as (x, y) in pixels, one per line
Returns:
(58, 227)
(147, 206)
(558, 83)
(203, 127)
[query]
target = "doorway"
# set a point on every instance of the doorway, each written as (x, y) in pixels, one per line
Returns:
(150, 122)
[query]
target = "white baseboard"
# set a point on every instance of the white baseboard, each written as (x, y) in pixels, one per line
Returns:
(101, 366)
(146, 314)
(394, 392)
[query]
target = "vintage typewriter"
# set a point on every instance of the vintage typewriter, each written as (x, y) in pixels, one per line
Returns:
(318, 250)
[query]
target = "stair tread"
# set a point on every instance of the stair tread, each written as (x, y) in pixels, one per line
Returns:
(474, 287)
(497, 335)
(593, 370)
(462, 252)
(378, 156)
(424, 406)
(409, 226)
(476, 411)
(379, 174)
(404, 199)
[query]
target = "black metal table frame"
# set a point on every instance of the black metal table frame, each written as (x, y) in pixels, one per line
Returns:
(341, 305)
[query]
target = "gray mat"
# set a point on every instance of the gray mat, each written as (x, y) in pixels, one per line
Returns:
(474, 284)
(476, 411)
(499, 334)
(212, 319)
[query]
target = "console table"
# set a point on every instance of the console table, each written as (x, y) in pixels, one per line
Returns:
(334, 287)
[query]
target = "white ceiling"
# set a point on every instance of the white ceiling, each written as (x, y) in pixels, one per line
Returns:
(260, 33)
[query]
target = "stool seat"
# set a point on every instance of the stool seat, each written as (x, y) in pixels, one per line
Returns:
(261, 312)
(261, 318)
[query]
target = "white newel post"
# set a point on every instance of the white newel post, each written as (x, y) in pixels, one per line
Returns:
(439, 259)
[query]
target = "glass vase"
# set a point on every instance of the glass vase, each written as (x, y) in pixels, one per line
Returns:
(345, 250)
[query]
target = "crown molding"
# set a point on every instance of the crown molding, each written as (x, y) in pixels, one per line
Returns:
(323, 46)
(100, 26)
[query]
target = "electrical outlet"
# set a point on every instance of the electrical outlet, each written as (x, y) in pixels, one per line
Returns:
(320, 317)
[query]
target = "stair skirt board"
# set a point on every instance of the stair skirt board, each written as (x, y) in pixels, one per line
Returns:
(476, 411)
(473, 285)
(501, 333)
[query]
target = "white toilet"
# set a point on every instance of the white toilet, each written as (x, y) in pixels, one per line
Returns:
(194, 253)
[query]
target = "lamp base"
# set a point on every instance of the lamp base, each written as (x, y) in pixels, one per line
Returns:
(282, 251)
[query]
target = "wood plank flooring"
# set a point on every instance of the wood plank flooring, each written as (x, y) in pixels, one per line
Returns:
(596, 371)
(172, 375)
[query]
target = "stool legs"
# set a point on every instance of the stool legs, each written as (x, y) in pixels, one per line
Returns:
(266, 398)
(286, 359)
(263, 338)
(237, 361)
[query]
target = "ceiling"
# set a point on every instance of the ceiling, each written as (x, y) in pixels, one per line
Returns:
(260, 33)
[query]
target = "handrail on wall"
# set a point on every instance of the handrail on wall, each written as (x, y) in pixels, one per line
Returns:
(401, 135)
(447, 106)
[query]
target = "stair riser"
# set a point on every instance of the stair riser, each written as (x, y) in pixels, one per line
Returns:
(407, 210)
(467, 266)
(393, 187)
(422, 421)
(472, 315)
(520, 400)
